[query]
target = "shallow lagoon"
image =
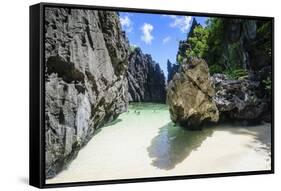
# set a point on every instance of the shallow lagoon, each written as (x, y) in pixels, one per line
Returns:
(143, 142)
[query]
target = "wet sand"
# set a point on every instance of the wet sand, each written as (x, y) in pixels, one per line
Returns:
(143, 142)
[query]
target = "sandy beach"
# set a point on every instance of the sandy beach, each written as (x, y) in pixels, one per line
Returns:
(143, 142)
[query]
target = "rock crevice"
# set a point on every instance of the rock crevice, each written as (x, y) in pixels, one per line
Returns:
(146, 80)
(86, 61)
(190, 94)
(239, 99)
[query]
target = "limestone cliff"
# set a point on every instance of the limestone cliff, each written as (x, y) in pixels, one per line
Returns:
(246, 44)
(145, 78)
(239, 99)
(239, 58)
(86, 57)
(172, 69)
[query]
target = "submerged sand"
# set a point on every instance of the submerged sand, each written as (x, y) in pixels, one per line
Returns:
(143, 142)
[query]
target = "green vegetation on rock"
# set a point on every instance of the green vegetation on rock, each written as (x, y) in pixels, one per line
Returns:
(198, 42)
(230, 46)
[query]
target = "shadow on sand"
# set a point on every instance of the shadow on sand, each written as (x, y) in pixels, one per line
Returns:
(260, 132)
(173, 144)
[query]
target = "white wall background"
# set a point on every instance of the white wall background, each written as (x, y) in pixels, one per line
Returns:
(14, 58)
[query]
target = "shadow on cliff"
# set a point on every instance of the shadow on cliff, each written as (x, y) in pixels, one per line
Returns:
(173, 144)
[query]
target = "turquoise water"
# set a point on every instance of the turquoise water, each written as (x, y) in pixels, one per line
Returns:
(143, 142)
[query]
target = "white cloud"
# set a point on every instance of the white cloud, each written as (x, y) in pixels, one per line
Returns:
(166, 40)
(126, 23)
(146, 33)
(181, 22)
(134, 45)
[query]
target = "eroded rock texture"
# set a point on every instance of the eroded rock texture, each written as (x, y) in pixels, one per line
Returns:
(172, 70)
(246, 44)
(239, 99)
(145, 78)
(190, 95)
(86, 61)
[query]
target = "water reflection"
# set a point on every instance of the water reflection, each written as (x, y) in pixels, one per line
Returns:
(173, 144)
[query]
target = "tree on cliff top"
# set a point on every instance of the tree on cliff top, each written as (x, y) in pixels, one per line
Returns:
(198, 42)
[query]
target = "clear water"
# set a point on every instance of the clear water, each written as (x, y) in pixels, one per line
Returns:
(143, 142)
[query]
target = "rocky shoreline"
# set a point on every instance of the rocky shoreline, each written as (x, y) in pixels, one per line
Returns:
(194, 97)
(92, 74)
(86, 62)
(242, 92)
(238, 99)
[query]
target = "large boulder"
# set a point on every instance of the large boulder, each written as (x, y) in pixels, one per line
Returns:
(85, 84)
(146, 81)
(239, 99)
(190, 95)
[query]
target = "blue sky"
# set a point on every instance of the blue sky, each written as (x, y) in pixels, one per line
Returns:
(156, 34)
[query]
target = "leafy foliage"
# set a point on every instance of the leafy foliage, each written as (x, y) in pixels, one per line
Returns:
(207, 43)
(198, 42)
(215, 69)
(236, 73)
(179, 59)
(267, 84)
(215, 43)
(264, 32)
(224, 48)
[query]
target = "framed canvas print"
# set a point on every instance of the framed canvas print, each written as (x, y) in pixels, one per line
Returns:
(127, 95)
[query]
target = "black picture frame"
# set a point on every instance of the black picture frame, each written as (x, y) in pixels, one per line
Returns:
(37, 95)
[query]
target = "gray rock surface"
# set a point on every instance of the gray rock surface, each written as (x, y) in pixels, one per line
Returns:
(172, 69)
(86, 56)
(190, 95)
(246, 45)
(145, 78)
(238, 99)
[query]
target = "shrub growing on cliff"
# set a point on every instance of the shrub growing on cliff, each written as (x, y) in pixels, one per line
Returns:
(215, 69)
(198, 42)
(215, 42)
(264, 35)
(236, 73)
(179, 59)
(206, 42)
(267, 85)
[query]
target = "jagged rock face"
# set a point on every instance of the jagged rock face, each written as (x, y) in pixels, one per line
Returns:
(86, 56)
(183, 44)
(172, 69)
(145, 78)
(239, 35)
(238, 99)
(181, 54)
(190, 95)
(244, 45)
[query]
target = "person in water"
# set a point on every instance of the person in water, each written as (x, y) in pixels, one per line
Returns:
(137, 112)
